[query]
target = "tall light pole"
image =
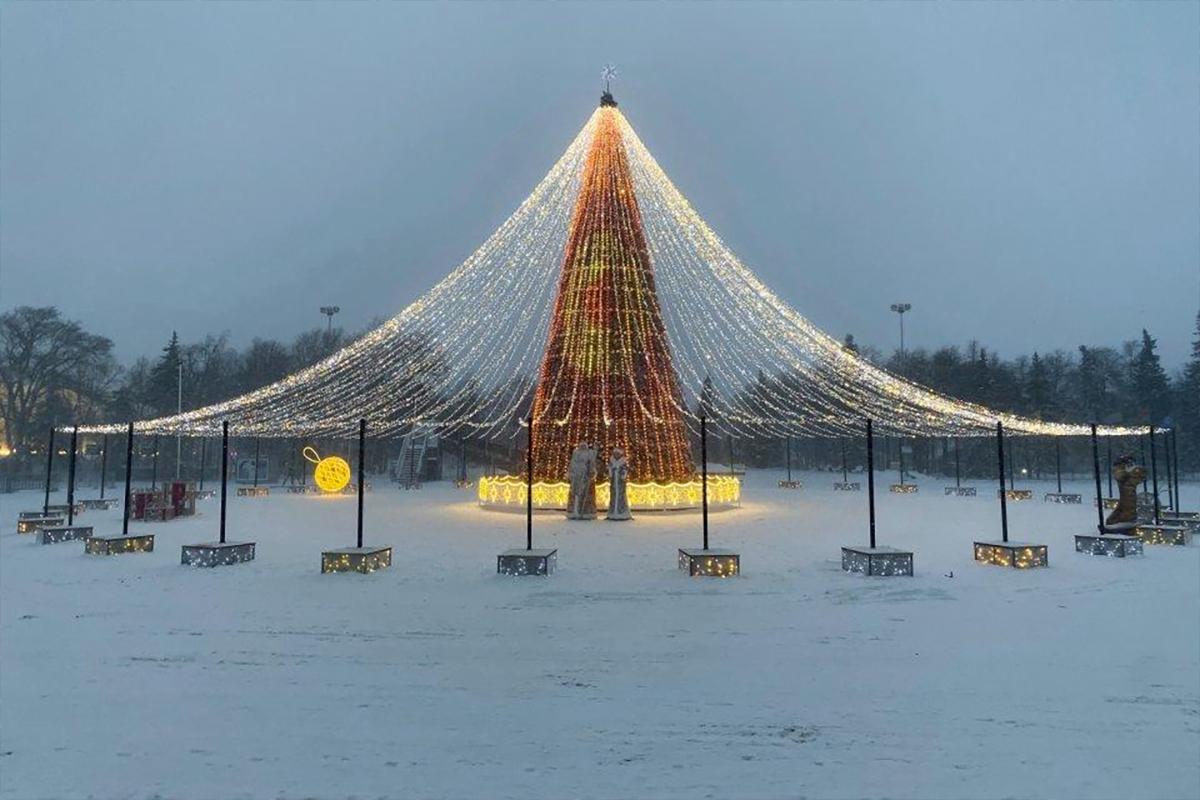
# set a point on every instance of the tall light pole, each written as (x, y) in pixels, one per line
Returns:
(901, 308)
(179, 410)
(329, 311)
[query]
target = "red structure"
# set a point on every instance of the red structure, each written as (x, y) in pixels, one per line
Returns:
(606, 376)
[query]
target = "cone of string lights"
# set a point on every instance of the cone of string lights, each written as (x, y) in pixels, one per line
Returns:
(360, 558)
(875, 559)
(608, 310)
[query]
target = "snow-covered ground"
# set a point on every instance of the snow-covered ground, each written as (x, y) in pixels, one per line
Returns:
(133, 676)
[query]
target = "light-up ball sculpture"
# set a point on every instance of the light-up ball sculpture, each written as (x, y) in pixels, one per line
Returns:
(331, 474)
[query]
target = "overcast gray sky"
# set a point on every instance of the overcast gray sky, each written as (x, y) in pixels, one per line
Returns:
(1024, 174)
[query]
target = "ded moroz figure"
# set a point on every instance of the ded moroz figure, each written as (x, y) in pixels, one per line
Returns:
(582, 473)
(618, 479)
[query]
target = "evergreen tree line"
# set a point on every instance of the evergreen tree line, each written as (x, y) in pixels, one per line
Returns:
(1119, 386)
(53, 371)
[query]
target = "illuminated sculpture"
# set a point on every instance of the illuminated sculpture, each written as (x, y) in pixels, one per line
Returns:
(1128, 474)
(608, 308)
(618, 483)
(331, 474)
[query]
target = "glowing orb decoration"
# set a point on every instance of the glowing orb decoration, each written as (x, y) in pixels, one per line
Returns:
(331, 474)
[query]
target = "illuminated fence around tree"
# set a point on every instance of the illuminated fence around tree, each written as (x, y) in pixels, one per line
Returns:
(509, 490)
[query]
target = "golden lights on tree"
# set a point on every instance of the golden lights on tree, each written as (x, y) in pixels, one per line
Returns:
(607, 377)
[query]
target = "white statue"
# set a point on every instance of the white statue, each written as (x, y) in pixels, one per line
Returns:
(618, 485)
(581, 504)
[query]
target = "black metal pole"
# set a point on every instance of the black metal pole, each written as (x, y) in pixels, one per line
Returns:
(1108, 463)
(103, 465)
(128, 478)
(845, 477)
(1058, 462)
(529, 484)
(731, 454)
(203, 457)
(1142, 451)
(71, 478)
(1154, 472)
(1175, 455)
(1096, 470)
(224, 472)
(154, 467)
(900, 447)
(1166, 437)
(957, 466)
(1003, 494)
(871, 479)
(789, 458)
(257, 442)
(49, 469)
(704, 476)
(463, 460)
(1012, 470)
(362, 472)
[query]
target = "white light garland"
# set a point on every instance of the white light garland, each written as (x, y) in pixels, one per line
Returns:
(465, 355)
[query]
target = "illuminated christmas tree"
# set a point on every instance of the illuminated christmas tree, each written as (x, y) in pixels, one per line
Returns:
(606, 376)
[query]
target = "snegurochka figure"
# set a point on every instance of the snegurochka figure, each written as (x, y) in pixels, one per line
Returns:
(618, 486)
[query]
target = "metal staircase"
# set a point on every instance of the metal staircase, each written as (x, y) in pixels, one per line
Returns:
(412, 458)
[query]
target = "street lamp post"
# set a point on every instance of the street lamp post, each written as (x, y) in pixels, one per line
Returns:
(901, 308)
(329, 311)
(179, 410)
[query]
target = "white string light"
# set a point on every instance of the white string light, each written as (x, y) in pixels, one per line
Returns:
(466, 354)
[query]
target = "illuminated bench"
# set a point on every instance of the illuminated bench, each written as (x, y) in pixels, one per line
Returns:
(1020, 555)
(1063, 497)
(903, 488)
(116, 545)
(961, 491)
(100, 503)
(1016, 494)
(216, 554)
(709, 563)
(1179, 535)
(877, 561)
(58, 534)
(253, 491)
(356, 559)
(526, 562)
(847, 487)
(31, 524)
(1114, 545)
